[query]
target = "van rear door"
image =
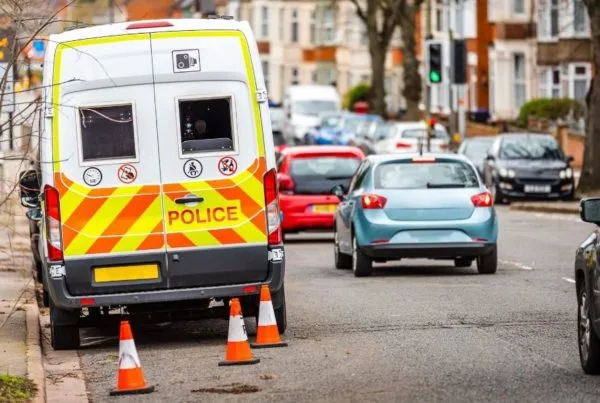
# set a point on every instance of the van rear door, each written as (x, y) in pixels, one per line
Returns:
(212, 158)
(105, 156)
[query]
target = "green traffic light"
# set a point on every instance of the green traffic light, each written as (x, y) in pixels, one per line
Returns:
(434, 76)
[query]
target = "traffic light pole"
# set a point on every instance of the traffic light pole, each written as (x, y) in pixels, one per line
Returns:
(462, 87)
(428, 86)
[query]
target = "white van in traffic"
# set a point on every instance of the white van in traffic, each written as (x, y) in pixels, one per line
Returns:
(303, 105)
(157, 184)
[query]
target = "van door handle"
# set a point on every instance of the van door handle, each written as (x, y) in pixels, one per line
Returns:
(186, 200)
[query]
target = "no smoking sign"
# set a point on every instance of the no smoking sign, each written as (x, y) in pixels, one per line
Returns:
(228, 166)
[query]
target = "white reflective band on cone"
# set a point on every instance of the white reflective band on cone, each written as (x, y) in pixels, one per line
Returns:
(128, 357)
(237, 329)
(266, 315)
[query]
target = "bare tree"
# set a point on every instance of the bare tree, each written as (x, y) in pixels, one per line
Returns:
(590, 177)
(381, 18)
(412, 78)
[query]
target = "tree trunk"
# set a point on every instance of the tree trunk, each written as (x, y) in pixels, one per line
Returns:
(410, 64)
(377, 89)
(590, 175)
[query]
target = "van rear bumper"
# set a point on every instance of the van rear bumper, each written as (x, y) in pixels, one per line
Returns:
(62, 298)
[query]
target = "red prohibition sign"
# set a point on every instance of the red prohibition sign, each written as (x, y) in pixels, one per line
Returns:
(127, 173)
(227, 166)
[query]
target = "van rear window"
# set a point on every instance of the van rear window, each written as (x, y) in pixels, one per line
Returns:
(107, 132)
(205, 125)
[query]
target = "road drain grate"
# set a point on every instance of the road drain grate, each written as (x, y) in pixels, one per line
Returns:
(234, 389)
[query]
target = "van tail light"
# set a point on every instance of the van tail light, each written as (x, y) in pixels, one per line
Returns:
(272, 208)
(53, 224)
(482, 200)
(286, 184)
(373, 201)
(401, 144)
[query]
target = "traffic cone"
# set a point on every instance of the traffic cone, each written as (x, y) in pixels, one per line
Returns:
(238, 349)
(267, 334)
(130, 378)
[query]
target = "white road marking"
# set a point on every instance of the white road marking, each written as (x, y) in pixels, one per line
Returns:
(569, 280)
(516, 264)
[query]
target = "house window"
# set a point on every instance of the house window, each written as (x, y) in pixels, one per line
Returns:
(295, 76)
(555, 83)
(265, 68)
(439, 16)
(264, 22)
(313, 26)
(492, 84)
(314, 75)
(328, 25)
(294, 33)
(282, 24)
(107, 132)
(473, 88)
(579, 17)
(581, 82)
(549, 83)
(554, 18)
(520, 86)
(518, 6)
(205, 125)
(364, 35)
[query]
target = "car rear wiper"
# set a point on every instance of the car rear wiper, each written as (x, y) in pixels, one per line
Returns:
(445, 185)
(337, 177)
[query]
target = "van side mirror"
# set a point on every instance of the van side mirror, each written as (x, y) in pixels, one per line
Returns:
(589, 210)
(34, 214)
(29, 188)
(338, 191)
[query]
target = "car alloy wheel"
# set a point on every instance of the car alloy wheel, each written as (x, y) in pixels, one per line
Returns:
(354, 254)
(336, 246)
(584, 327)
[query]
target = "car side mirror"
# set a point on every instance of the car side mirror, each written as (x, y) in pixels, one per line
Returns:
(29, 188)
(338, 191)
(490, 157)
(570, 159)
(34, 214)
(589, 210)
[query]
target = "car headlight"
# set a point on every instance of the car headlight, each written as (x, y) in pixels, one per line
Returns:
(506, 173)
(566, 173)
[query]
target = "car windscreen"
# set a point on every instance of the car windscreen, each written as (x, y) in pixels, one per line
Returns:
(314, 108)
(441, 174)
(530, 148)
(422, 133)
(476, 149)
(318, 174)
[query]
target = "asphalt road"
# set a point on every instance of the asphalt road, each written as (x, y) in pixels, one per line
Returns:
(415, 331)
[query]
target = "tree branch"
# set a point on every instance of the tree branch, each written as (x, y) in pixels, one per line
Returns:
(361, 13)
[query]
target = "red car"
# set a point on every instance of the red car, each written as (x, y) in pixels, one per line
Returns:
(306, 176)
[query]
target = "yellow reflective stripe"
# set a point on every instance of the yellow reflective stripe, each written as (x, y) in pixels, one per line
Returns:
(56, 81)
(141, 228)
(69, 202)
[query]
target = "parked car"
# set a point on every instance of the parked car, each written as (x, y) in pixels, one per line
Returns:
(343, 130)
(528, 166)
(306, 176)
(587, 268)
(370, 132)
(411, 137)
(475, 149)
(415, 206)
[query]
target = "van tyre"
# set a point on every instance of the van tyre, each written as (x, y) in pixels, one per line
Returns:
(362, 266)
(279, 308)
(64, 329)
(342, 261)
(488, 264)
(588, 341)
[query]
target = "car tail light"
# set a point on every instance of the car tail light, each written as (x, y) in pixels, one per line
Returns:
(286, 184)
(443, 146)
(400, 144)
(149, 24)
(53, 224)
(482, 200)
(272, 208)
(373, 201)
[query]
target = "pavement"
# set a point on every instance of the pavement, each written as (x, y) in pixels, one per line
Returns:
(416, 331)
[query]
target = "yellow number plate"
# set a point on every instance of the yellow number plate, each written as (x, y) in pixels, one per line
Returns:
(324, 208)
(125, 273)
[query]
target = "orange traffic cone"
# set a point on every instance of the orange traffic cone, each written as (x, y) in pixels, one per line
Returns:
(130, 378)
(267, 334)
(238, 349)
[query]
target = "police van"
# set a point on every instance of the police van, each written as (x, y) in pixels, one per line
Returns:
(157, 182)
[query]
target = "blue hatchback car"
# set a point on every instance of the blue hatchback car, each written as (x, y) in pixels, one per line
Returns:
(415, 206)
(340, 129)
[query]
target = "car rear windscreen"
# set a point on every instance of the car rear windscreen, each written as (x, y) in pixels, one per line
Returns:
(318, 174)
(422, 133)
(425, 175)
